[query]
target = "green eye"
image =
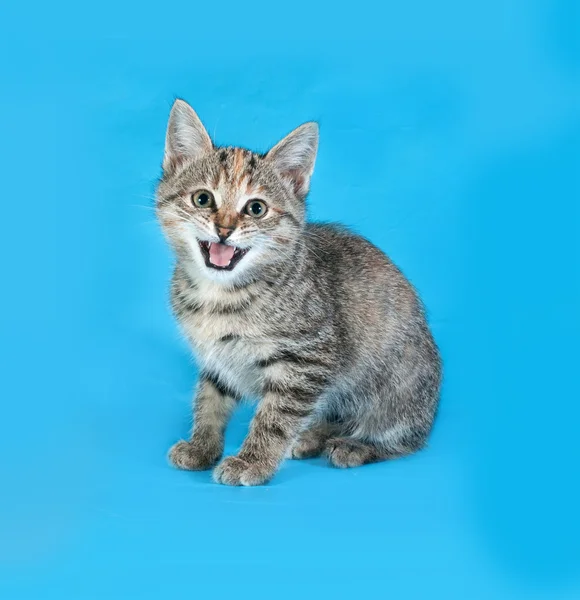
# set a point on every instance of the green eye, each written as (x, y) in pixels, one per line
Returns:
(202, 199)
(256, 208)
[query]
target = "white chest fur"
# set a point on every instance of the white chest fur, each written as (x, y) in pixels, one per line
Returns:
(226, 334)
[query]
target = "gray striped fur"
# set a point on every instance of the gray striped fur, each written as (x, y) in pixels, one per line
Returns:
(314, 321)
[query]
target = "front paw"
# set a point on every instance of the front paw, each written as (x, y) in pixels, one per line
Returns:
(236, 471)
(193, 456)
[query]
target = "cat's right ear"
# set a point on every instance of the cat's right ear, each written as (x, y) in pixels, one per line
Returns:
(186, 137)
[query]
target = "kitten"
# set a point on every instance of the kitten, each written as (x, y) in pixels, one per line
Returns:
(315, 321)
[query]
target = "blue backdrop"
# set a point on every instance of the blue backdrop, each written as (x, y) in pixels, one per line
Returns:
(450, 136)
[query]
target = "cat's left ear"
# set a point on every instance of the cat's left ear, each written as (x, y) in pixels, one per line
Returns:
(186, 137)
(294, 157)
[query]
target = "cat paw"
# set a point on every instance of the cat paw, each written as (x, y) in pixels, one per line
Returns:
(345, 452)
(193, 457)
(236, 471)
(307, 448)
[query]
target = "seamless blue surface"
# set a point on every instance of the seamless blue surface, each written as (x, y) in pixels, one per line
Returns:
(450, 137)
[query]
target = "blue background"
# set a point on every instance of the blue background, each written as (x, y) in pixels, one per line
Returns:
(450, 137)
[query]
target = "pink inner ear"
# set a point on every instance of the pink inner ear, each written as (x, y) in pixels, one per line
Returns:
(298, 181)
(173, 161)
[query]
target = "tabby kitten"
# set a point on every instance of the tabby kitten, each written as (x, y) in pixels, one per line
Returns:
(315, 321)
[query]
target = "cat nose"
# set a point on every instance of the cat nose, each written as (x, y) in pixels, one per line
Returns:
(224, 232)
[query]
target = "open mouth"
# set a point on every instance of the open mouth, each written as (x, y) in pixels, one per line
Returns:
(221, 256)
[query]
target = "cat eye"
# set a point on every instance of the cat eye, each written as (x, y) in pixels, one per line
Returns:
(202, 199)
(256, 208)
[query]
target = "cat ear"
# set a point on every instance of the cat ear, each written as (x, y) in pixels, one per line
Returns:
(294, 157)
(186, 137)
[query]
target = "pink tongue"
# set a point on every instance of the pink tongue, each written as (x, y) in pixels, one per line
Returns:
(220, 255)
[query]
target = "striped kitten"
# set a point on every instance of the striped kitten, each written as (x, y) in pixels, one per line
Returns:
(313, 320)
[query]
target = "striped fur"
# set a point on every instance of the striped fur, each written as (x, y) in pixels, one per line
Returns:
(314, 321)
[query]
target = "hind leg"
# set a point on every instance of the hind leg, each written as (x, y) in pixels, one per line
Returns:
(346, 452)
(312, 441)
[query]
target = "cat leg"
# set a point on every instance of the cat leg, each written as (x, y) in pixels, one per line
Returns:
(312, 440)
(213, 406)
(286, 407)
(346, 452)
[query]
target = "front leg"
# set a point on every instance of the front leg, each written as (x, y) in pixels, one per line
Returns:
(213, 406)
(285, 409)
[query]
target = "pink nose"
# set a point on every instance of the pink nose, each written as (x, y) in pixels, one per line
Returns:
(224, 232)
